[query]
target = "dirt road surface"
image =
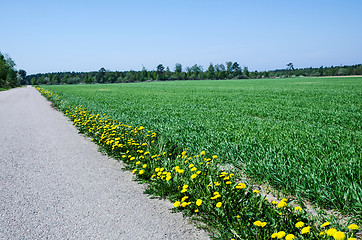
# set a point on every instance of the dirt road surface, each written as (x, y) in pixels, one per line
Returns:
(54, 184)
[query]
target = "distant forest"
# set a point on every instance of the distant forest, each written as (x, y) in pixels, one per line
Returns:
(219, 71)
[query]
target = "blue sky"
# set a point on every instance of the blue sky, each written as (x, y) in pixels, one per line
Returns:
(85, 35)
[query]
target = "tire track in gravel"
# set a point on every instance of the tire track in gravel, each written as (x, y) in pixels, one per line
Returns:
(54, 184)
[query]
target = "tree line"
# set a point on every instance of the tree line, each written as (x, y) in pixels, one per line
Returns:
(231, 70)
(9, 76)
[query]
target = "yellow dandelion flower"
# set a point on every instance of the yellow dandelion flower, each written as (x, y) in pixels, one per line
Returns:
(257, 223)
(193, 169)
(289, 237)
(214, 157)
(256, 191)
(198, 202)
(141, 172)
(157, 169)
(168, 178)
(352, 238)
(331, 231)
(218, 205)
(274, 235)
(240, 186)
(185, 186)
(228, 182)
(184, 190)
(323, 233)
(217, 183)
(184, 204)
(282, 204)
(191, 165)
(202, 153)
(238, 216)
(193, 176)
(325, 224)
(153, 176)
(134, 171)
(196, 210)
(298, 209)
(299, 224)
(144, 165)
(184, 198)
(353, 227)
(305, 230)
(176, 204)
(181, 171)
(339, 235)
(281, 234)
(132, 158)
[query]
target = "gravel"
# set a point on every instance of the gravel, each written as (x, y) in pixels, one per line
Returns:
(54, 184)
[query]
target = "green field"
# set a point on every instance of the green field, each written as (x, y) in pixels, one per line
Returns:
(301, 135)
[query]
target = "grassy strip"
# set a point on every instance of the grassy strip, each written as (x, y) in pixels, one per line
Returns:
(195, 184)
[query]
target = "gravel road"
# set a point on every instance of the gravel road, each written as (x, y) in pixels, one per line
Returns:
(54, 184)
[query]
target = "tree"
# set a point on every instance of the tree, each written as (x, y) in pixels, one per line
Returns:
(160, 70)
(100, 75)
(178, 68)
(246, 72)
(22, 77)
(211, 72)
(236, 69)
(290, 66)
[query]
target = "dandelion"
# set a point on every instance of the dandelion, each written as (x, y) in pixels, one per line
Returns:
(217, 183)
(256, 191)
(228, 182)
(176, 204)
(353, 227)
(282, 204)
(281, 234)
(299, 224)
(274, 235)
(289, 237)
(240, 186)
(144, 165)
(198, 202)
(305, 230)
(134, 171)
(298, 209)
(193, 176)
(141, 172)
(168, 178)
(259, 224)
(238, 216)
(184, 204)
(274, 202)
(184, 198)
(352, 238)
(138, 162)
(193, 169)
(218, 205)
(191, 165)
(339, 235)
(325, 224)
(196, 210)
(202, 153)
(214, 157)
(331, 231)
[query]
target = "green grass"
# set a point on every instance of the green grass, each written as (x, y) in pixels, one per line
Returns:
(302, 135)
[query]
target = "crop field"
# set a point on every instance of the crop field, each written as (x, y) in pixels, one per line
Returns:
(302, 136)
